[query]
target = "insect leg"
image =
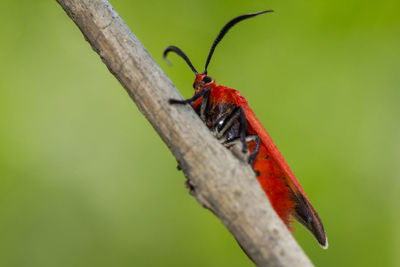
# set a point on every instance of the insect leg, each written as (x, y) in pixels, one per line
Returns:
(229, 122)
(242, 129)
(249, 138)
(238, 112)
(236, 141)
(203, 106)
(254, 154)
(190, 100)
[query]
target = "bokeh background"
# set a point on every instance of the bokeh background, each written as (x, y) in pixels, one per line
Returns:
(86, 181)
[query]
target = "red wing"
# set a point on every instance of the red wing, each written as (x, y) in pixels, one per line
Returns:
(303, 211)
(277, 180)
(267, 141)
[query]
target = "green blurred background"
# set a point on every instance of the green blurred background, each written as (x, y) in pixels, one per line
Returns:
(86, 181)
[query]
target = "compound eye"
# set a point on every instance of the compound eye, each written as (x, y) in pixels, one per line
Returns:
(206, 79)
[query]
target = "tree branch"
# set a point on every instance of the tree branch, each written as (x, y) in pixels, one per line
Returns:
(219, 181)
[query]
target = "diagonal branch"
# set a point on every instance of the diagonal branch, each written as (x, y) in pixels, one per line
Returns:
(219, 181)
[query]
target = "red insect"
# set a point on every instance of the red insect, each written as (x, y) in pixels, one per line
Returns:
(226, 113)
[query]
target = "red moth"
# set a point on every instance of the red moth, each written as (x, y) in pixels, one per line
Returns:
(226, 113)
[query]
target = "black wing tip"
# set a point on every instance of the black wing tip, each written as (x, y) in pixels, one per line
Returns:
(323, 242)
(305, 214)
(317, 230)
(320, 236)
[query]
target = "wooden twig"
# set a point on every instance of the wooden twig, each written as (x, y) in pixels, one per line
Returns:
(218, 180)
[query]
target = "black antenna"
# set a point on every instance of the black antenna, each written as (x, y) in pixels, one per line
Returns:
(226, 28)
(180, 53)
